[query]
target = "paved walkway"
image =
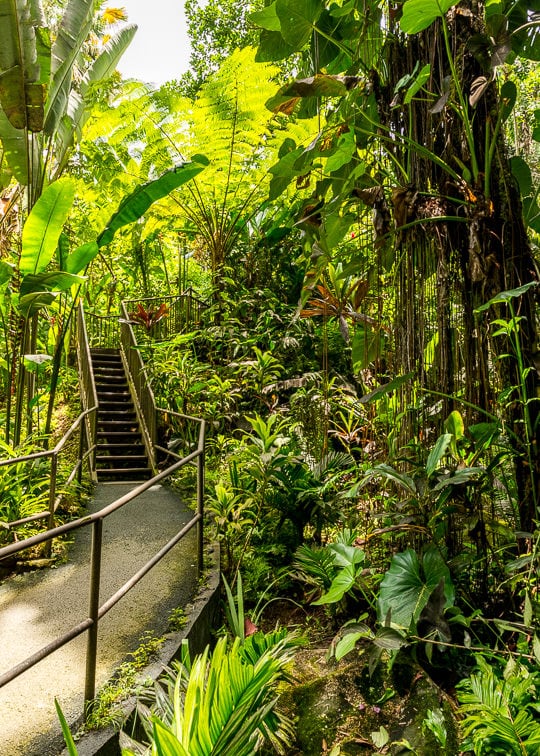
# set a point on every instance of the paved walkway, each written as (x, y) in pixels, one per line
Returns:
(36, 607)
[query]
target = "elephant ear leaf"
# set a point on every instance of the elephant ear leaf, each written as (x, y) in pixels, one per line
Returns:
(407, 586)
(44, 224)
(137, 203)
(419, 14)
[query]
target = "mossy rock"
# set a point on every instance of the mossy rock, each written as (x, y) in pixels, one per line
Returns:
(341, 705)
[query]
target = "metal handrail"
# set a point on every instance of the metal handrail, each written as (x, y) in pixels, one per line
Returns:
(53, 455)
(184, 312)
(137, 378)
(89, 395)
(102, 330)
(87, 422)
(96, 612)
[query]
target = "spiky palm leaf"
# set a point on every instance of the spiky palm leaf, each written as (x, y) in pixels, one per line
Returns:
(224, 702)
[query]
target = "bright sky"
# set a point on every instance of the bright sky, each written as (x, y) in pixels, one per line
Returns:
(160, 49)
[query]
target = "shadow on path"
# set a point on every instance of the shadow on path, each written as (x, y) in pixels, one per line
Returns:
(37, 607)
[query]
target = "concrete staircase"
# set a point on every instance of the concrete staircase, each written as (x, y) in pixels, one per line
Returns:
(121, 455)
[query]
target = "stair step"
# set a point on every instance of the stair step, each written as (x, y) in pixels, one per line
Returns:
(110, 406)
(127, 459)
(106, 359)
(110, 381)
(128, 473)
(111, 450)
(117, 434)
(118, 425)
(105, 391)
(103, 368)
(123, 408)
(129, 419)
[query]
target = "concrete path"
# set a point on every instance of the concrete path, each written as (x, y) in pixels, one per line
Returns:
(36, 607)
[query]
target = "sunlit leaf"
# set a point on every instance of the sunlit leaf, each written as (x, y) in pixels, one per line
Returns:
(506, 296)
(266, 18)
(437, 453)
(81, 257)
(54, 280)
(419, 14)
(297, 19)
(418, 83)
(44, 225)
(137, 203)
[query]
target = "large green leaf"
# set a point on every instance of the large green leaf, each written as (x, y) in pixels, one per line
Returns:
(389, 473)
(137, 203)
(523, 175)
(437, 453)
(272, 47)
(31, 303)
(524, 27)
(43, 226)
(367, 345)
(76, 111)
(79, 258)
(266, 18)
(6, 272)
(15, 150)
(408, 584)
(506, 296)
(297, 19)
(54, 280)
(341, 584)
(21, 87)
(73, 30)
(105, 64)
(419, 14)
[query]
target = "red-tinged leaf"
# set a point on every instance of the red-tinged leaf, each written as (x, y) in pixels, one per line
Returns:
(249, 627)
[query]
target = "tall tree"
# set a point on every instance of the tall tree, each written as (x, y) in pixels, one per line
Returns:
(47, 75)
(216, 30)
(412, 109)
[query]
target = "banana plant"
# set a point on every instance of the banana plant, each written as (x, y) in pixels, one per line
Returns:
(41, 110)
(45, 77)
(42, 239)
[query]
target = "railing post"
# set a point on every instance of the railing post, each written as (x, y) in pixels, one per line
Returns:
(91, 649)
(81, 455)
(200, 512)
(52, 499)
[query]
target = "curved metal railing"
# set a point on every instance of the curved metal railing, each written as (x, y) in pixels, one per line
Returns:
(107, 331)
(95, 521)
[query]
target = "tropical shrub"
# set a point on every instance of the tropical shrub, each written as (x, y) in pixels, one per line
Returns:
(499, 704)
(222, 702)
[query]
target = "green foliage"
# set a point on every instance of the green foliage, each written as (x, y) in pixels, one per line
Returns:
(215, 30)
(419, 14)
(68, 737)
(105, 709)
(500, 709)
(223, 701)
(232, 516)
(337, 570)
(24, 490)
(137, 203)
(409, 585)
